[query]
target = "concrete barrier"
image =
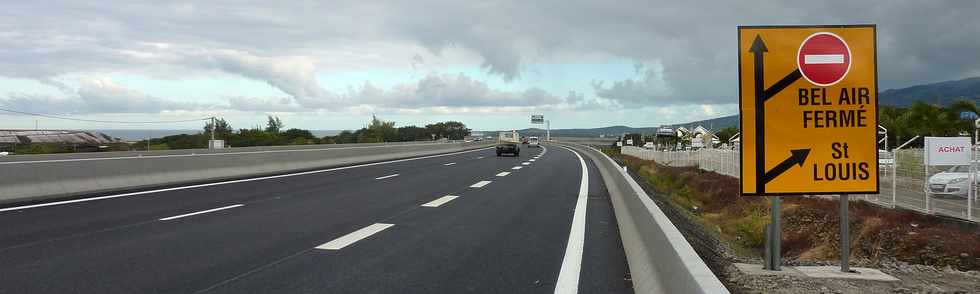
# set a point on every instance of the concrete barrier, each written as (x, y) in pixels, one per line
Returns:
(659, 258)
(41, 177)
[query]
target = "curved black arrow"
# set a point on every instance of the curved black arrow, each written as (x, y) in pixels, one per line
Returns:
(797, 158)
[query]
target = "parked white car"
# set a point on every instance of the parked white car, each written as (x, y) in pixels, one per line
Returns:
(952, 182)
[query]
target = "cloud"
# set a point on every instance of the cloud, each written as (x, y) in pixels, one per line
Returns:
(286, 46)
(436, 91)
(95, 95)
(294, 75)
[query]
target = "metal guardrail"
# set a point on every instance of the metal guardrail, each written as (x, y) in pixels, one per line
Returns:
(29, 178)
(660, 259)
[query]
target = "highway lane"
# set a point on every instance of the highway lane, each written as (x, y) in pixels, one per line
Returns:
(260, 236)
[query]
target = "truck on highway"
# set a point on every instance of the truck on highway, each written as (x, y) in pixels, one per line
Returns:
(509, 142)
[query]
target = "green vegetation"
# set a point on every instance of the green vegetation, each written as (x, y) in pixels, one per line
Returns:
(275, 133)
(925, 119)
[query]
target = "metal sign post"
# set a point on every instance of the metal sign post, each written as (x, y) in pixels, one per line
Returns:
(845, 235)
(774, 238)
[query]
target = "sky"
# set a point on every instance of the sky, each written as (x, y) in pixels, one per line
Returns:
(330, 65)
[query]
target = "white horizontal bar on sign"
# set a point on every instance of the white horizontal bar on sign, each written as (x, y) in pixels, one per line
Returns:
(823, 58)
(358, 235)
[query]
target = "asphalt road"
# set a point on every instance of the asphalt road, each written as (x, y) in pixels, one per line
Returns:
(378, 228)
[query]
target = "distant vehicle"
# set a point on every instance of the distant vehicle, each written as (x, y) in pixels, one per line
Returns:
(5, 153)
(649, 145)
(524, 140)
(478, 139)
(533, 142)
(509, 142)
(952, 182)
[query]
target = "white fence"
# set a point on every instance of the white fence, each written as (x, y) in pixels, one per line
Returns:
(904, 181)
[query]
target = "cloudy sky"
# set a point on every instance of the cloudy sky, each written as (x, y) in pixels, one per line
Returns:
(332, 64)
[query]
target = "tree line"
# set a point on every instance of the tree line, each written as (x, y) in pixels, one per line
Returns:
(275, 133)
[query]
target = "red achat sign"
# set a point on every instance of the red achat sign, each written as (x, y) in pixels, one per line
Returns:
(824, 59)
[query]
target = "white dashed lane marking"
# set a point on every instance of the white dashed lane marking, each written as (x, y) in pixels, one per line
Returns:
(358, 235)
(201, 212)
(480, 184)
(442, 200)
(385, 177)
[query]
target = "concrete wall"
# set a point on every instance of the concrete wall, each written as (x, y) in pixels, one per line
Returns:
(40, 177)
(659, 258)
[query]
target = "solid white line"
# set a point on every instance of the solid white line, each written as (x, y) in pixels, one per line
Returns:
(823, 59)
(448, 164)
(442, 200)
(480, 184)
(525, 163)
(503, 174)
(571, 265)
(201, 212)
(358, 235)
(385, 177)
(230, 182)
(517, 167)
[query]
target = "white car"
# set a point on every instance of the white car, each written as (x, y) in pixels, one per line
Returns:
(533, 142)
(952, 182)
(648, 145)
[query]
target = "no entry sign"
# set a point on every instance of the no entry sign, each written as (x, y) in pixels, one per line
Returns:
(824, 59)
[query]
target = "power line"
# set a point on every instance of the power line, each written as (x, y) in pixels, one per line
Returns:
(102, 121)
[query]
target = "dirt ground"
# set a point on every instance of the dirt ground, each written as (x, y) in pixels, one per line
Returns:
(926, 253)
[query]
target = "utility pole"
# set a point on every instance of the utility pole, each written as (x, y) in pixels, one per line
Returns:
(548, 134)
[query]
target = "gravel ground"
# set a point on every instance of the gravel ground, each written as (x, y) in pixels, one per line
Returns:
(720, 258)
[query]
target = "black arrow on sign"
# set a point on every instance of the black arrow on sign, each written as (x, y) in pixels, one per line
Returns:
(758, 49)
(762, 94)
(797, 158)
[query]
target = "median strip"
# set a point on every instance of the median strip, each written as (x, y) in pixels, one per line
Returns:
(480, 184)
(351, 238)
(201, 212)
(442, 200)
(385, 177)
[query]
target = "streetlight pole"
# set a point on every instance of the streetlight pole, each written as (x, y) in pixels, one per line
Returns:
(548, 134)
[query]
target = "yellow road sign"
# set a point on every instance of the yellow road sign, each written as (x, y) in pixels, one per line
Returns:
(808, 102)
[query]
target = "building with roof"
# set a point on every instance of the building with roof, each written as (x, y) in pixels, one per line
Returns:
(10, 138)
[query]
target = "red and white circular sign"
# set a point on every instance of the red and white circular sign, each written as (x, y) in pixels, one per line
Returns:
(824, 59)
